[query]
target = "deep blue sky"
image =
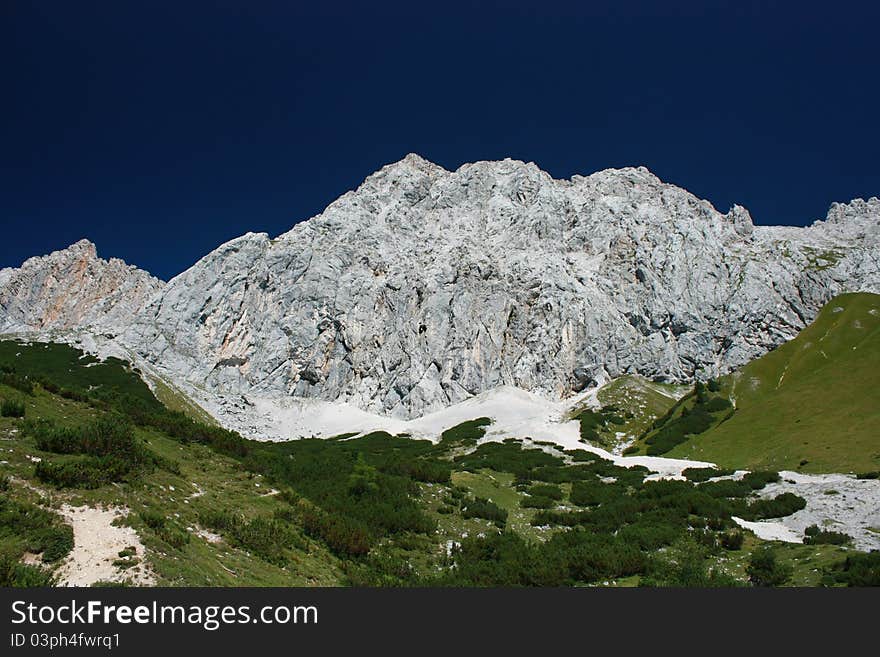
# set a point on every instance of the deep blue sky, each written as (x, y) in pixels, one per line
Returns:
(161, 129)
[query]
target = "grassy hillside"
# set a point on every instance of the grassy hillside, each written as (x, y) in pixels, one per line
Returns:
(639, 401)
(628, 406)
(166, 502)
(69, 368)
(812, 405)
(207, 507)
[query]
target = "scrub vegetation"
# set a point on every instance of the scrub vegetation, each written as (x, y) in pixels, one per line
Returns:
(213, 508)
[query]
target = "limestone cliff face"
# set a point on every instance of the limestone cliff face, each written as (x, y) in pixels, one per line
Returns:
(73, 288)
(424, 287)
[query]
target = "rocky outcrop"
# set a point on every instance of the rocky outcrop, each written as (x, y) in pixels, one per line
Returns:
(424, 287)
(73, 289)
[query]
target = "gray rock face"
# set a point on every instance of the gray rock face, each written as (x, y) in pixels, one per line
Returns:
(424, 287)
(72, 289)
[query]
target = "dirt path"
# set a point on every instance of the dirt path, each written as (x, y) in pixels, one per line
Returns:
(97, 543)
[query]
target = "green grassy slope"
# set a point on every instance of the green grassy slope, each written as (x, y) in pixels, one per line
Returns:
(628, 406)
(813, 404)
(199, 480)
(639, 401)
(212, 508)
(70, 368)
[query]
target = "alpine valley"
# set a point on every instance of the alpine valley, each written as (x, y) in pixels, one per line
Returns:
(473, 378)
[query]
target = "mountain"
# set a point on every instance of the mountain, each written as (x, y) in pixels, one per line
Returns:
(72, 288)
(425, 287)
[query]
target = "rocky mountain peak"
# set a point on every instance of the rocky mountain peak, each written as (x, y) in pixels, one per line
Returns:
(424, 287)
(858, 214)
(411, 167)
(418, 163)
(84, 247)
(741, 220)
(72, 288)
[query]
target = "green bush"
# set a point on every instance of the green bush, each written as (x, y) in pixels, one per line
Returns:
(87, 472)
(506, 559)
(752, 481)
(546, 517)
(364, 478)
(11, 408)
(649, 535)
(174, 536)
(343, 534)
(152, 519)
(778, 507)
(451, 500)
(105, 450)
(509, 457)
(732, 540)
(268, 538)
(590, 424)
(55, 542)
(466, 433)
(764, 569)
(103, 437)
(685, 565)
(699, 475)
(18, 575)
(591, 492)
(726, 488)
(27, 527)
(419, 469)
(546, 490)
(482, 508)
(858, 569)
(537, 502)
(352, 485)
(8, 377)
(677, 430)
(760, 478)
(813, 535)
